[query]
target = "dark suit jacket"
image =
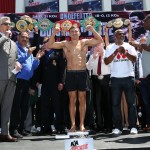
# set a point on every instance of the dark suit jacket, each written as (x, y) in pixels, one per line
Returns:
(8, 56)
(51, 69)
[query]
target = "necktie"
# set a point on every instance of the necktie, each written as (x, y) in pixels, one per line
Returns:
(99, 66)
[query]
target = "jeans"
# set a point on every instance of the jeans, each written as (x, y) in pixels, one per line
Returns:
(144, 87)
(118, 85)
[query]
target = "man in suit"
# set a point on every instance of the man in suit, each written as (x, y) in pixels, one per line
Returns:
(51, 71)
(21, 98)
(8, 56)
(101, 90)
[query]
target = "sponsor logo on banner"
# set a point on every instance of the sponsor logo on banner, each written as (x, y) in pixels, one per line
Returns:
(79, 144)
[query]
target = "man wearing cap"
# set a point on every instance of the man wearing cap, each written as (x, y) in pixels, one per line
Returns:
(121, 56)
(8, 56)
(76, 75)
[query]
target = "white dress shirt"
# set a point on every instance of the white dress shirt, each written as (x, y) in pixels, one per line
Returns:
(92, 64)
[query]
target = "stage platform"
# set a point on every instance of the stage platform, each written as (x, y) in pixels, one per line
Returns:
(102, 141)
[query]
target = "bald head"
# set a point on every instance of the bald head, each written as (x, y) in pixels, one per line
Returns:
(119, 31)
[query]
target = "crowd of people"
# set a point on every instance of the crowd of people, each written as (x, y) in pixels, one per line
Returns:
(63, 87)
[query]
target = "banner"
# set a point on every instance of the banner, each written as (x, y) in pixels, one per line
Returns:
(136, 19)
(124, 5)
(41, 5)
(84, 5)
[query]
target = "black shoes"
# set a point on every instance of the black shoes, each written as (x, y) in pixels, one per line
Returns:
(62, 131)
(19, 135)
(26, 133)
(16, 134)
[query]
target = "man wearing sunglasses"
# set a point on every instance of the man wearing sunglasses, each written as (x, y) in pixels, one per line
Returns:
(8, 56)
(121, 56)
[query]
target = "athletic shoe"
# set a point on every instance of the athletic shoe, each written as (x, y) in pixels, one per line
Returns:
(116, 132)
(133, 131)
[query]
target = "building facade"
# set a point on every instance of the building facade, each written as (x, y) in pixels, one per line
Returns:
(63, 5)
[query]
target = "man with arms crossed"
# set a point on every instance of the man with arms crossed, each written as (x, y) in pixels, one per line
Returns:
(76, 75)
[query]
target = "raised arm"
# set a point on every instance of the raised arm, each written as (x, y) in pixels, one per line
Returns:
(106, 36)
(129, 32)
(97, 39)
(52, 44)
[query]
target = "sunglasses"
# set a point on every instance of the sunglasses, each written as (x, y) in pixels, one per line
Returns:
(24, 37)
(6, 24)
(121, 34)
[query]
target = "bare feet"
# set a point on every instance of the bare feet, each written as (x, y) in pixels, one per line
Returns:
(72, 129)
(82, 129)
